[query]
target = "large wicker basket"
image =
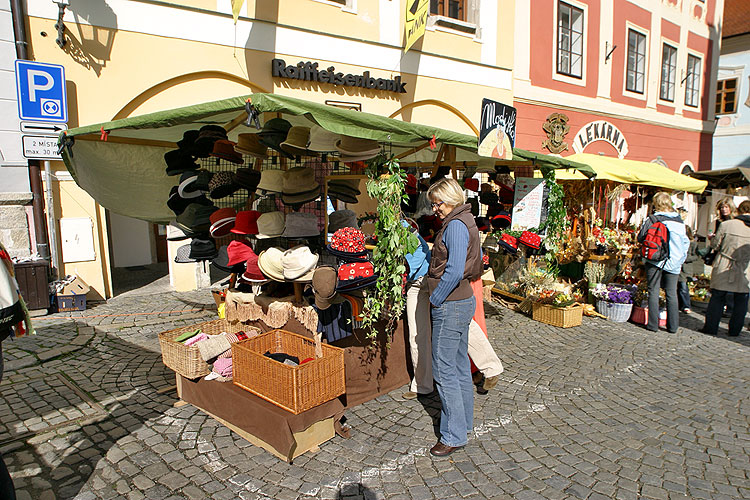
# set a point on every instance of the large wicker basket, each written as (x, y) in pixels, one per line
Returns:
(187, 360)
(294, 388)
(619, 313)
(564, 317)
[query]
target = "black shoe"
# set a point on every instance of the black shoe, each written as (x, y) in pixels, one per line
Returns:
(706, 332)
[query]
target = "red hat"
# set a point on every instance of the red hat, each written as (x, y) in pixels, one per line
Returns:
(356, 275)
(348, 242)
(501, 221)
(509, 243)
(411, 184)
(222, 222)
(531, 240)
(471, 184)
(238, 251)
(246, 222)
(253, 272)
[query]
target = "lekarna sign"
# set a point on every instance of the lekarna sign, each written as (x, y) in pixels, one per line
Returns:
(41, 91)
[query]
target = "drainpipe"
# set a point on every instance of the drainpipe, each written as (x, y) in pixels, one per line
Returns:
(35, 175)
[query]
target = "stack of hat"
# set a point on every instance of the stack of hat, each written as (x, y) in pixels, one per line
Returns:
(299, 186)
(195, 220)
(355, 275)
(222, 184)
(252, 275)
(203, 249)
(224, 261)
(182, 159)
(345, 190)
(356, 149)
(348, 244)
(300, 225)
(222, 222)
(177, 203)
(194, 183)
(246, 222)
(322, 141)
(342, 218)
(274, 133)
(207, 137)
(298, 263)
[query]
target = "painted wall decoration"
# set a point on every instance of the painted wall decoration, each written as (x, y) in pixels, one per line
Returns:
(601, 130)
(497, 131)
(556, 127)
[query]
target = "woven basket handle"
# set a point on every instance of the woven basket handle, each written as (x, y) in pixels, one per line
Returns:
(318, 345)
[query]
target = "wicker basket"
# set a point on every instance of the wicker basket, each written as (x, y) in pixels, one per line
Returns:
(564, 317)
(619, 313)
(186, 360)
(294, 388)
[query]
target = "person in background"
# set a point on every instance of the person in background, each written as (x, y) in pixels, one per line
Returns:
(683, 291)
(665, 273)
(456, 262)
(725, 210)
(731, 272)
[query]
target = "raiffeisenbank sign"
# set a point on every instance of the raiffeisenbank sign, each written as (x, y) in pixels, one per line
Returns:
(308, 71)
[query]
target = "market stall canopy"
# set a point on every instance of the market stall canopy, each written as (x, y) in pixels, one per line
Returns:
(724, 178)
(121, 163)
(638, 172)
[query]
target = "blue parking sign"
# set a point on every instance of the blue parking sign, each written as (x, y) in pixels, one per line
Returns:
(41, 91)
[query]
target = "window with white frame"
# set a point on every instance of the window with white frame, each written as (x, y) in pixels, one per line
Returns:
(668, 72)
(692, 81)
(569, 40)
(636, 70)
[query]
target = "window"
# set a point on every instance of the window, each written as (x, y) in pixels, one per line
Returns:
(569, 40)
(692, 81)
(455, 9)
(636, 73)
(726, 96)
(668, 72)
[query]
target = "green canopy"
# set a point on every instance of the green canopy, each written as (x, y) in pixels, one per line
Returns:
(126, 172)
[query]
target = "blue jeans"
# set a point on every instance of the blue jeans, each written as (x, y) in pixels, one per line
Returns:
(451, 369)
(716, 308)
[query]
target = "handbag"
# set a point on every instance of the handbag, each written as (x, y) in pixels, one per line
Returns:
(709, 258)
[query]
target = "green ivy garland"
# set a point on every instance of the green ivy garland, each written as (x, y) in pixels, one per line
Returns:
(557, 221)
(393, 242)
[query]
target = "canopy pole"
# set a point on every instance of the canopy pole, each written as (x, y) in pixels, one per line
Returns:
(438, 160)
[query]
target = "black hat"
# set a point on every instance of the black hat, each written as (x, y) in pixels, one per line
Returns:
(501, 221)
(221, 262)
(177, 203)
(202, 249)
(247, 178)
(274, 133)
(179, 161)
(222, 184)
(196, 218)
(188, 140)
(194, 183)
(207, 136)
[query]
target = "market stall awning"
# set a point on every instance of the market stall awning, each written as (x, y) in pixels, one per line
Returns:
(724, 178)
(121, 165)
(638, 172)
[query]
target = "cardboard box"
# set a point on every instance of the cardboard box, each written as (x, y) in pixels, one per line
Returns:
(75, 287)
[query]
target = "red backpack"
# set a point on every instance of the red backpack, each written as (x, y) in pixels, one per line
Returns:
(654, 237)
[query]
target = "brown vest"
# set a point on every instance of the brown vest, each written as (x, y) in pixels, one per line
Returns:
(473, 268)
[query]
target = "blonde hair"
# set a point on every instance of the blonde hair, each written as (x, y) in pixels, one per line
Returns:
(662, 202)
(448, 191)
(726, 202)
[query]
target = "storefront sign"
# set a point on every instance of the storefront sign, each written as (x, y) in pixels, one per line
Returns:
(497, 130)
(529, 204)
(309, 71)
(601, 130)
(416, 21)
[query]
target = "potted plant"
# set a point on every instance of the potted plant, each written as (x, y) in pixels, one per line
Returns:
(614, 301)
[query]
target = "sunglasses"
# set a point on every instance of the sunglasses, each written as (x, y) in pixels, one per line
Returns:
(436, 205)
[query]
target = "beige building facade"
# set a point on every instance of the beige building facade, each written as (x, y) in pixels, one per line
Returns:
(129, 57)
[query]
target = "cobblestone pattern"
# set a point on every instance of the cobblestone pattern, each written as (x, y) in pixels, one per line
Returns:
(601, 411)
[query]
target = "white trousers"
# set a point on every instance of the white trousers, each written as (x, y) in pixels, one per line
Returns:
(482, 353)
(420, 336)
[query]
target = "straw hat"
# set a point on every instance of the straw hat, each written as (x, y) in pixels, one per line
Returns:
(250, 144)
(270, 265)
(297, 141)
(322, 141)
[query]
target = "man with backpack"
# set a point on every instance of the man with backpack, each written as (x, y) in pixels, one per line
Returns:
(664, 246)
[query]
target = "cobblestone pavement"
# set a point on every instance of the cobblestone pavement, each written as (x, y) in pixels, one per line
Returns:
(601, 411)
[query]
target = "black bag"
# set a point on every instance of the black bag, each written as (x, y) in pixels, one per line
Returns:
(709, 258)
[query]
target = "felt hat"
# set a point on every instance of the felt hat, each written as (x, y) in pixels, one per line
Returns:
(298, 263)
(179, 161)
(342, 218)
(246, 222)
(508, 243)
(222, 184)
(202, 249)
(300, 199)
(270, 225)
(322, 141)
(356, 149)
(188, 140)
(177, 203)
(324, 281)
(238, 251)
(501, 221)
(488, 198)
(300, 225)
(253, 275)
(182, 256)
(222, 221)
(348, 242)
(271, 180)
(221, 262)
(247, 178)
(297, 141)
(355, 275)
(531, 240)
(346, 186)
(207, 136)
(196, 218)
(346, 198)
(471, 184)
(250, 144)
(274, 133)
(299, 180)
(224, 149)
(483, 223)
(270, 264)
(194, 183)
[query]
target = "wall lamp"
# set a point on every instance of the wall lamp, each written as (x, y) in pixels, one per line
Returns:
(59, 26)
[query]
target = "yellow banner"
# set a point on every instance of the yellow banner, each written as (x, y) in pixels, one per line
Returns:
(416, 21)
(236, 8)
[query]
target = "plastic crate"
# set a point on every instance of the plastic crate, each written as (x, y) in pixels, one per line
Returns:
(70, 303)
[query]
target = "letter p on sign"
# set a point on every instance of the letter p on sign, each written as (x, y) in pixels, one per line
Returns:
(41, 91)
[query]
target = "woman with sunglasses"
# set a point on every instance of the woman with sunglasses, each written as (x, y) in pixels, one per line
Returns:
(456, 261)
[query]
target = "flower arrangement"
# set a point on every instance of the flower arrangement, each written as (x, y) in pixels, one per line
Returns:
(557, 298)
(617, 294)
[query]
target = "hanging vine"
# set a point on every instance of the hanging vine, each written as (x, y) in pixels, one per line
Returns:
(556, 223)
(393, 242)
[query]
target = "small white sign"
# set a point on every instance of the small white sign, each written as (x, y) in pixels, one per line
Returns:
(43, 128)
(77, 236)
(37, 147)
